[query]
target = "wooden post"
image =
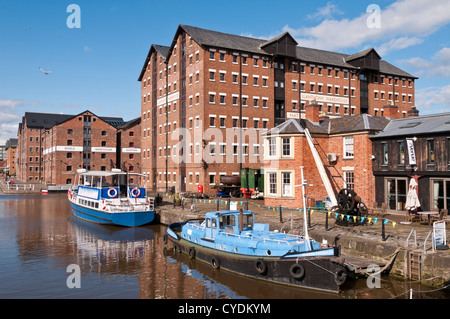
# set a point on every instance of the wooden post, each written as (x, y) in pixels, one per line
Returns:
(281, 214)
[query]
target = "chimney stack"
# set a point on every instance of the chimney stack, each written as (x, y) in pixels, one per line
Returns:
(413, 112)
(312, 111)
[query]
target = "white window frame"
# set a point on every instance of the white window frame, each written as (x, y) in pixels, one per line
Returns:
(349, 148)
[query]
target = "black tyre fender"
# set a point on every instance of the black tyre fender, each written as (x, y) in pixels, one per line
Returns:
(297, 271)
(261, 266)
(340, 275)
(191, 252)
(215, 262)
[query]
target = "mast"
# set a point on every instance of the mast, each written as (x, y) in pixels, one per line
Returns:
(305, 222)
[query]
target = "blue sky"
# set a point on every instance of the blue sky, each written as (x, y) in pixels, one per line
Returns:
(96, 66)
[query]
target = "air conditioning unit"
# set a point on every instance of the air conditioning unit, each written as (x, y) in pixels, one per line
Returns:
(331, 157)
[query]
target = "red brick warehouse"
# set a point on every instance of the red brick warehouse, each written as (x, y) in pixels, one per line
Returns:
(212, 80)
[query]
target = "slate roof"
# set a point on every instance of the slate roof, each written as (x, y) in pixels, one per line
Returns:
(48, 120)
(419, 125)
(344, 124)
(162, 51)
(210, 38)
(129, 124)
(44, 120)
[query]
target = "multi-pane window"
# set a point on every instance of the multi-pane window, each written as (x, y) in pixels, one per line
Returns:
(348, 147)
(286, 186)
(349, 177)
(273, 183)
(272, 147)
(286, 146)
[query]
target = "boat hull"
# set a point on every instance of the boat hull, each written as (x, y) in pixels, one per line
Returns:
(320, 273)
(129, 219)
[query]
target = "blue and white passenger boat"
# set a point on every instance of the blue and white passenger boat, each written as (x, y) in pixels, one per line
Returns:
(232, 240)
(111, 197)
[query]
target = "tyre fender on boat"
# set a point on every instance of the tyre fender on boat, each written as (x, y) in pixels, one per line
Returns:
(340, 275)
(191, 252)
(297, 271)
(261, 266)
(215, 262)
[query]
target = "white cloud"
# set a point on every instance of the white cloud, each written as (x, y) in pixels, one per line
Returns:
(87, 49)
(404, 23)
(398, 44)
(326, 12)
(433, 99)
(437, 66)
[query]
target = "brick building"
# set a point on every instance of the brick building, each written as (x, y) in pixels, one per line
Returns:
(29, 146)
(11, 147)
(80, 141)
(208, 97)
(343, 144)
(128, 146)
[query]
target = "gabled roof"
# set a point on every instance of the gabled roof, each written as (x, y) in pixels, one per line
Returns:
(410, 126)
(48, 120)
(361, 54)
(209, 38)
(160, 49)
(286, 34)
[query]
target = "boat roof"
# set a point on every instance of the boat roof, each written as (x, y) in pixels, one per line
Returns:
(227, 212)
(106, 173)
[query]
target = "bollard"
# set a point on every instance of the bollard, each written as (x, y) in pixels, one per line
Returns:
(326, 220)
(228, 204)
(309, 217)
(218, 208)
(246, 205)
(281, 214)
(383, 235)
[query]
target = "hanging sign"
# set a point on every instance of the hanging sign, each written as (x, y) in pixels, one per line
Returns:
(411, 152)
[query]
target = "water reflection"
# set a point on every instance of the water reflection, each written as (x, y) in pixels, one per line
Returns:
(39, 238)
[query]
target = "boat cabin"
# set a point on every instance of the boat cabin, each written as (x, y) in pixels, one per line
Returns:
(231, 222)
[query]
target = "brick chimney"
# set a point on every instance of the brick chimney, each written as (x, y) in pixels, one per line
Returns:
(391, 111)
(413, 112)
(312, 111)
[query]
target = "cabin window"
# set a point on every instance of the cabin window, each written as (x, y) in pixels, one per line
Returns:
(247, 221)
(227, 220)
(208, 222)
(214, 223)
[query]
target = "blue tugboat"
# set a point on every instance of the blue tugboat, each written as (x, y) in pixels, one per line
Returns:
(107, 197)
(232, 240)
